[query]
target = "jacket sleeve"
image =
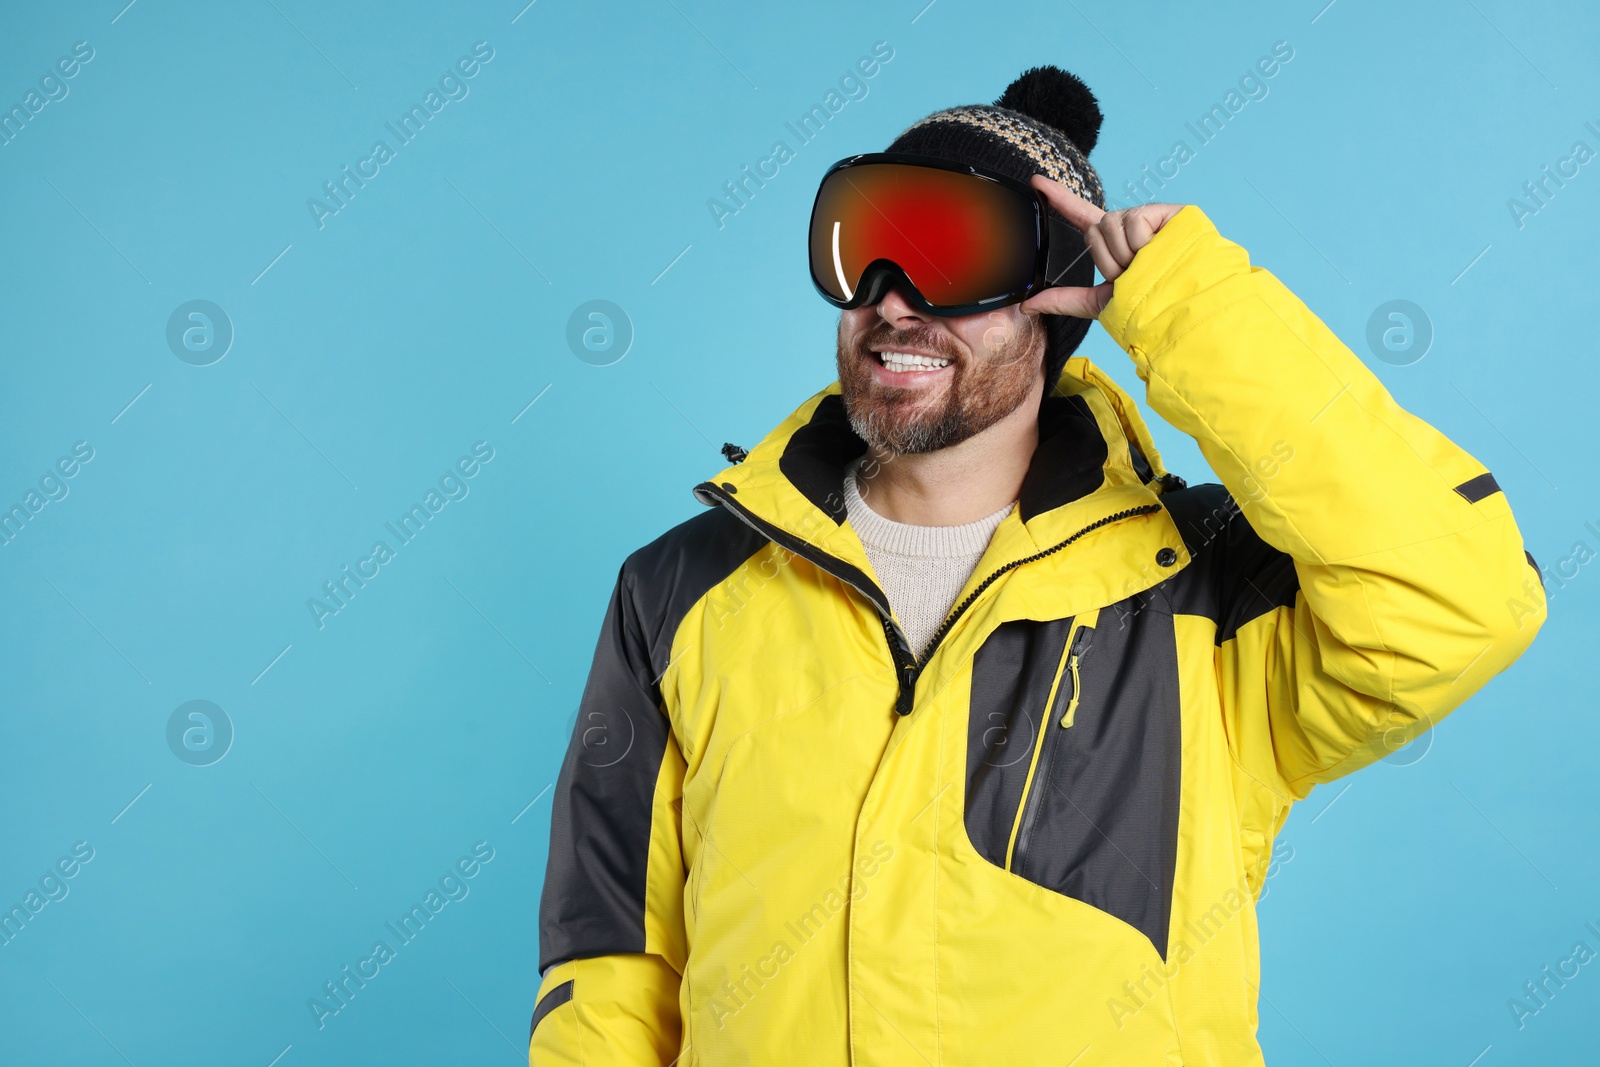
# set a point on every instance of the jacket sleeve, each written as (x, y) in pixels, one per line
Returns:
(1380, 579)
(611, 930)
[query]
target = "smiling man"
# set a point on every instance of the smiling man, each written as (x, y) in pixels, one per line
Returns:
(958, 730)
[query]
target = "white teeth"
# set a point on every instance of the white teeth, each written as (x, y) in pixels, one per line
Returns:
(911, 361)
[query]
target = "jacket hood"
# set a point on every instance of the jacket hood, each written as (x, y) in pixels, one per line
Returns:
(1095, 459)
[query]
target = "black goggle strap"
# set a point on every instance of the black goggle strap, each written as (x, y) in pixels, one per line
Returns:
(1069, 262)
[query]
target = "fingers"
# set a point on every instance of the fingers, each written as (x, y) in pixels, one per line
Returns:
(1112, 238)
(1078, 301)
(1072, 207)
(1095, 239)
(1138, 229)
(1122, 232)
(1116, 242)
(1102, 231)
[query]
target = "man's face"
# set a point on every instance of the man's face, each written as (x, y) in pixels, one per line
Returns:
(991, 362)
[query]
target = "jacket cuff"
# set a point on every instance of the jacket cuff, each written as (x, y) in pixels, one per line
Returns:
(1185, 257)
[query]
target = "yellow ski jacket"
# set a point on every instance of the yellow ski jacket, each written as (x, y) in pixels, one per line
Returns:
(777, 838)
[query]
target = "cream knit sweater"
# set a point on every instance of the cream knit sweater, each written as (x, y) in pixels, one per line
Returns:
(921, 568)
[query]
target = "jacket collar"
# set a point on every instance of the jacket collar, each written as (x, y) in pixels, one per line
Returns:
(1095, 460)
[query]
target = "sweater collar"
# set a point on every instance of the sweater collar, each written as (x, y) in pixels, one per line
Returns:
(880, 534)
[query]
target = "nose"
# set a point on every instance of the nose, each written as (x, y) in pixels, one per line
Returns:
(897, 311)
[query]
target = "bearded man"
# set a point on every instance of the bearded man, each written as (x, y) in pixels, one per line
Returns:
(957, 730)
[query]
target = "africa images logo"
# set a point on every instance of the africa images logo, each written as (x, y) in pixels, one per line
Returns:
(805, 129)
(453, 886)
(453, 485)
(405, 129)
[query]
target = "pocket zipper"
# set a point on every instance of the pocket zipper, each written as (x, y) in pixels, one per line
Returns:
(1039, 774)
(1039, 741)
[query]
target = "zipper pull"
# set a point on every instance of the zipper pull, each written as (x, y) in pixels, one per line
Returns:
(1080, 643)
(1072, 705)
(908, 689)
(905, 668)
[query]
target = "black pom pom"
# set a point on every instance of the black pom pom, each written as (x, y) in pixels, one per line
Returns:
(1057, 99)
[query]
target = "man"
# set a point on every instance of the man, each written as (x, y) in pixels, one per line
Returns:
(958, 730)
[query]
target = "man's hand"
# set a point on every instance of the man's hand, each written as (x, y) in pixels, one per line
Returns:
(1113, 237)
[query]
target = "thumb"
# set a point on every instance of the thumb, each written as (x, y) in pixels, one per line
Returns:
(1078, 301)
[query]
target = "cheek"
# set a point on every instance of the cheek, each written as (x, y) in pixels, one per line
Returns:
(856, 321)
(999, 335)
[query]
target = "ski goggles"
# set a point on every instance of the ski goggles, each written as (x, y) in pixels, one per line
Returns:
(954, 239)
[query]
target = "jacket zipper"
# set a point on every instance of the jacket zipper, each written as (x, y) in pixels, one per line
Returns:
(960, 609)
(905, 661)
(907, 667)
(1040, 775)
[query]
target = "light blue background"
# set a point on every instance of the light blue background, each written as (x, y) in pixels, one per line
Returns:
(427, 314)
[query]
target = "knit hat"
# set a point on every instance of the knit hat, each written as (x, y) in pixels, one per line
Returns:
(1046, 122)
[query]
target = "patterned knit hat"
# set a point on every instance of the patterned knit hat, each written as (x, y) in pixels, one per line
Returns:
(1046, 122)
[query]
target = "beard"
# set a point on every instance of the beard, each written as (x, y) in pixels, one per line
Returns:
(983, 387)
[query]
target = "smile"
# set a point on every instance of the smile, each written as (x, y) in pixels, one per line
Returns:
(912, 362)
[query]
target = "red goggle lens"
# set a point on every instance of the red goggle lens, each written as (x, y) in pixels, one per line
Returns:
(960, 238)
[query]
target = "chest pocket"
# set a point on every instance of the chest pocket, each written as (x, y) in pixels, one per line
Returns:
(1074, 757)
